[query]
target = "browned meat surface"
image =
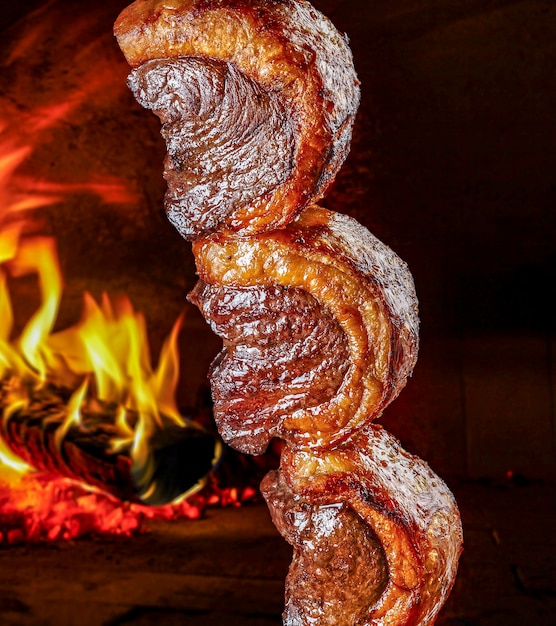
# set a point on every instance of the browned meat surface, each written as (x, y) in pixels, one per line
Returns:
(283, 351)
(360, 289)
(229, 141)
(257, 100)
(318, 317)
(338, 559)
(376, 534)
(341, 563)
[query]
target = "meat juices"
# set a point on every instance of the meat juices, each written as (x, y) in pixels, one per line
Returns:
(279, 59)
(318, 317)
(217, 124)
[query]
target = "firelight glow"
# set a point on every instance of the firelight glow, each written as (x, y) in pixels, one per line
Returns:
(104, 358)
(109, 345)
(87, 358)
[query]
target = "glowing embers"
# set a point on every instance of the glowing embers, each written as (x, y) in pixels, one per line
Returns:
(85, 404)
(41, 507)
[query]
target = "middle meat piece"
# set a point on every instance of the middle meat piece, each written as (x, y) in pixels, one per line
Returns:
(320, 329)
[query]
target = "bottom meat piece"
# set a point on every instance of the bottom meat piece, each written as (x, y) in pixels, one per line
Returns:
(376, 534)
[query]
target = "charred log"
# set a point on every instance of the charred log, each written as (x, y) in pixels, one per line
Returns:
(178, 459)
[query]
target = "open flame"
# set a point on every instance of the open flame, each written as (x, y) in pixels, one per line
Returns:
(101, 365)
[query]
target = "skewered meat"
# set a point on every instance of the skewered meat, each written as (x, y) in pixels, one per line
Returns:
(320, 326)
(257, 101)
(318, 317)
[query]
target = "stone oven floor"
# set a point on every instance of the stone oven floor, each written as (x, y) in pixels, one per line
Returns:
(228, 569)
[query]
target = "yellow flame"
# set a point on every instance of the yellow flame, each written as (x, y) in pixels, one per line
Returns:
(126, 434)
(110, 346)
(11, 462)
(38, 256)
(107, 349)
(6, 314)
(166, 376)
(73, 417)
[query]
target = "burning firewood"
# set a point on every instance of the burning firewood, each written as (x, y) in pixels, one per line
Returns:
(318, 317)
(179, 457)
(84, 403)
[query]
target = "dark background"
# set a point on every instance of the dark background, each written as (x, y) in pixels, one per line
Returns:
(452, 165)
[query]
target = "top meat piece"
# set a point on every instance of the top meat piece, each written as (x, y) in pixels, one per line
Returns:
(295, 56)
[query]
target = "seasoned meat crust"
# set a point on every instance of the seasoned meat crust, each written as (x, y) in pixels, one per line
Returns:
(229, 141)
(283, 351)
(406, 520)
(285, 63)
(356, 280)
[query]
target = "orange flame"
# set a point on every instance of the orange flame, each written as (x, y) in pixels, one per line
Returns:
(107, 350)
(109, 346)
(106, 356)
(37, 506)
